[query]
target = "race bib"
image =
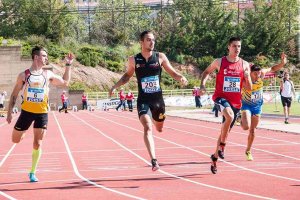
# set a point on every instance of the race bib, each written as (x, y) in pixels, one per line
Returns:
(256, 96)
(150, 84)
(35, 94)
(232, 84)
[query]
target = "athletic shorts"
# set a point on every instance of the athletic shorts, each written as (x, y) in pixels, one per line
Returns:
(1, 105)
(254, 110)
(157, 108)
(222, 103)
(286, 101)
(26, 118)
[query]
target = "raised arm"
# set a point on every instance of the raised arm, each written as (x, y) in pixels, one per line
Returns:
(14, 95)
(215, 65)
(170, 70)
(247, 77)
(65, 80)
(126, 77)
(276, 67)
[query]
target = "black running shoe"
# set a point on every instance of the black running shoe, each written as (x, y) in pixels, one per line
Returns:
(213, 167)
(155, 165)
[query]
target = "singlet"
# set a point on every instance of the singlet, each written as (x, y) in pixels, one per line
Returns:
(253, 97)
(229, 82)
(286, 89)
(84, 98)
(148, 76)
(35, 92)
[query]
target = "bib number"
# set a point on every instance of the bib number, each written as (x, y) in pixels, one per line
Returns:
(35, 94)
(232, 84)
(256, 96)
(150, 84)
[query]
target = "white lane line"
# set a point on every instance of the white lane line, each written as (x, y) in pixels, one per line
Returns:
(213, 138)
(202, 153)
(7, 154)
(77, 171)
(162, 171)
(7, 196)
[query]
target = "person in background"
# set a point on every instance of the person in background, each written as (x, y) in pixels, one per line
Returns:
(2, 99)
(287, 90)
(196, 94)
(129, 98)
(64, 100)
(122, 97)
(84, 101)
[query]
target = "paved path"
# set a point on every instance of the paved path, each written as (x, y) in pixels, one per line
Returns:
(270, 122)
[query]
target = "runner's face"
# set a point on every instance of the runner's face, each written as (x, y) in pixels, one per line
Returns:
(234, 48)
(43, 58)
(255, 75)
(148, 42)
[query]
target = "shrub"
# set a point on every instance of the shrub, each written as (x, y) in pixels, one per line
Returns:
(204, 62)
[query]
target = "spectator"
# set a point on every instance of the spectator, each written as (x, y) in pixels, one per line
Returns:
(64, 100)
(129, 98)
(84, 101)
(122, 97)
(196, 94)
(2, 99)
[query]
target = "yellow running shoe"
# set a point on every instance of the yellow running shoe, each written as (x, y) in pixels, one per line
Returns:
(249, 156)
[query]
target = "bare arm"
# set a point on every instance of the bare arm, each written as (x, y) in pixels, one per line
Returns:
(248, 81)
(14, 95)
(276, 67)
(125, 78)
(215, 65)
(170, 70)
(65, 80)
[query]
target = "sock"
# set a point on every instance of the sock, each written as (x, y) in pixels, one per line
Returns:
(36, 154)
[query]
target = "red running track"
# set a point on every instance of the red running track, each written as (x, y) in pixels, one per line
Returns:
(101, 155)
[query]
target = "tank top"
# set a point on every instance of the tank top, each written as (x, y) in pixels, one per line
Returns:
(286, 89)
(148, 76)
(35, 92)
(229, 82)
(253, 97)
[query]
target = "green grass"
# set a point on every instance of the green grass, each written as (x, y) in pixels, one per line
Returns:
(270, 108)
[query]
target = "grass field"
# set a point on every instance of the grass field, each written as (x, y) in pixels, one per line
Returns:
(271, 108)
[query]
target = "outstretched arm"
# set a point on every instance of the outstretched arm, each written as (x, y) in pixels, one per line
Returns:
(215, 65)
(170, 70)
(14, 96)
(276, 67)
(125, 78)
(63, 81)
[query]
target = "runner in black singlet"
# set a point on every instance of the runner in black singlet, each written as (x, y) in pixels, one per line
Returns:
(147, 66)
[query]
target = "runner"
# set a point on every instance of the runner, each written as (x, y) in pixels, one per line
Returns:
(252, 101)
(233, 74)
(34, 83)
(147, 66)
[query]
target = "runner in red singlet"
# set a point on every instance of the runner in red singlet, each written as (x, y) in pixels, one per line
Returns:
(233, 74)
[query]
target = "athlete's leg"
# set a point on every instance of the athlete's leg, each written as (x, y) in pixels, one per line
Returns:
(254, 122)
(148, 137)
(158, 125)
(246, 119)
(228, 114)
(39, 134)
(17, 136)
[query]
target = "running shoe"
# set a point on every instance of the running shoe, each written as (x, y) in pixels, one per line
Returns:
(213, 167)
(286, 122)
(32, 177)
(155, 165)
(249, 156)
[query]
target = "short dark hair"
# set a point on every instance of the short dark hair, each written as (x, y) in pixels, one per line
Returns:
(36, 51)
(142, 35)
(232, 39)
(255, 68)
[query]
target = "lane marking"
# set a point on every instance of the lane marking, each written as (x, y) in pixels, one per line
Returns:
(77, 171)
(162, 171)
(202, 153)
(7, 196)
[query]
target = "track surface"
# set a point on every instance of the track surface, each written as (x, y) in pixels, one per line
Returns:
(101, 155)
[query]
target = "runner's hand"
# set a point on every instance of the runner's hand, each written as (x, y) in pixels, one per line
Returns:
(183, 81)
(70, 58)
(8, 118)
(111, 91)
(283, 58)
(202, 89)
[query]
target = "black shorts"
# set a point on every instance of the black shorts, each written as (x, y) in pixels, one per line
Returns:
(221, 102)
(157, 108)
(26, 118)
(286, 101)
(1, 105)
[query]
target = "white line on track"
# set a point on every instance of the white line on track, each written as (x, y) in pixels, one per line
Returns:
(77, 171)
(162, 171)
(213, 138)
(202, 153)
(7, 196)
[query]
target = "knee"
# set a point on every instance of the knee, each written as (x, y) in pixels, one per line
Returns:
(245, 127)
(159, 129)
(16, 140)
(251, 132)
(148, 129)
